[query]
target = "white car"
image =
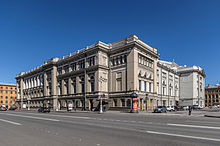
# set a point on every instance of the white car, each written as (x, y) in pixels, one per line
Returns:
(170, 108)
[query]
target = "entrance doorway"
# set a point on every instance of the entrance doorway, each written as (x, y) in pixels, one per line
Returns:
(151, 104)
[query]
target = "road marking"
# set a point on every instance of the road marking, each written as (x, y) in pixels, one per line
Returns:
(39, 118)
(10, 122)
(193, 126)
(185, 136)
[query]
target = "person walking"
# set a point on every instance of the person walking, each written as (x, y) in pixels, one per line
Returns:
(190, 110)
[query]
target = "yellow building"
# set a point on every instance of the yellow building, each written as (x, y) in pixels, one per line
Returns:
(8, 94)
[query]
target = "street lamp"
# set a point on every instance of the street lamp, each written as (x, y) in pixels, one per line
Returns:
(101, 80)
(28, 99)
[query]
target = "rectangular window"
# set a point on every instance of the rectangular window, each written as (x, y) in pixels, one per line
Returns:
(82, 64)
(74, 86)
(145, 88)
(92, 87)
(91, 61)
(73, 67)
(139, 85)
(66, 69)
(149, 87)
(82, 87)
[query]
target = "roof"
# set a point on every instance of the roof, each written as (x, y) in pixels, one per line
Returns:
(7, 84)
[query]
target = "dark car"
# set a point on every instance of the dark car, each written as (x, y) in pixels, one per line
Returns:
(195, 107)
(13, 108)
(160, 109)
(43, 110)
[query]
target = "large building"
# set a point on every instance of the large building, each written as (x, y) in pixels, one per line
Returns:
(8, 94)
(181, 85)
(116, 70)
(212, 95)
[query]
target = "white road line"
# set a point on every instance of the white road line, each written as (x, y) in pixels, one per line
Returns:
(10, 122)
(185, 136)
(39, 118)
(193, 126)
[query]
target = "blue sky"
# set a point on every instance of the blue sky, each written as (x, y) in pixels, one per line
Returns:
(37, 30)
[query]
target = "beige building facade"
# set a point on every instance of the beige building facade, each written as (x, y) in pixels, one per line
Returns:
(112, 71)
(79, 79)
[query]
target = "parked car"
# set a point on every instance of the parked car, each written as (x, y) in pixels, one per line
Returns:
(3, 108)
(44, 110)
(13, 108)
(170, 108)
(160, 109)
(195, 107)
(185, 107)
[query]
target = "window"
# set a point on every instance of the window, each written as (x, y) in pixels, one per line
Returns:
(73, 67)
(59, 71)
(149, 87)
(119, 81)
(6, 101)
(92, 84)
(125, 58)
(139, 85)
(1, 97)
(66, 69)
(74, 86)
(1, 101)
(11, 92)
(11, 97)
(6, 97)
(163, 90)
(91, 61)
(6, 87)
(82, 64)
(92, 87)
(6, 92)
(82, 85)
(145, 88)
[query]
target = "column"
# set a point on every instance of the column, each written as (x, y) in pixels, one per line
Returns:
(53, 87)
(155, 76)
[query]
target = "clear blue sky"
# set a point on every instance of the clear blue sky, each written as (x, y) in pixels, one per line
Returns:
(32, 31)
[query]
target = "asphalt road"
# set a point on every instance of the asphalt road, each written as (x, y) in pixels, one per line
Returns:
(108, 129)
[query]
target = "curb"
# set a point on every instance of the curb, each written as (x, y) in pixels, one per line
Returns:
(211, 116)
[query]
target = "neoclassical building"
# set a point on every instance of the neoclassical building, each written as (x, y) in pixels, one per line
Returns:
(212, 95)
(116, 70)
(167, 83)
(113, 71)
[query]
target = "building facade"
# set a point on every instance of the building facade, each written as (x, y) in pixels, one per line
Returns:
(113, 71)
(167, 83)
(212, 95)
(8, 94)
(192, 85)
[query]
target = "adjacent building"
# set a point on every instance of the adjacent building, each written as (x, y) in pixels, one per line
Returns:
(212, 95)
(113, 71)
(8, 94)
(192, 85)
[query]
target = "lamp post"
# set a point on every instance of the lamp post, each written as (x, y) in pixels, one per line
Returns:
(28, 99)
(101, 80)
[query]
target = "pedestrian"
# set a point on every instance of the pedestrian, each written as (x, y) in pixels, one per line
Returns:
(104, 108)
(190, 110)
